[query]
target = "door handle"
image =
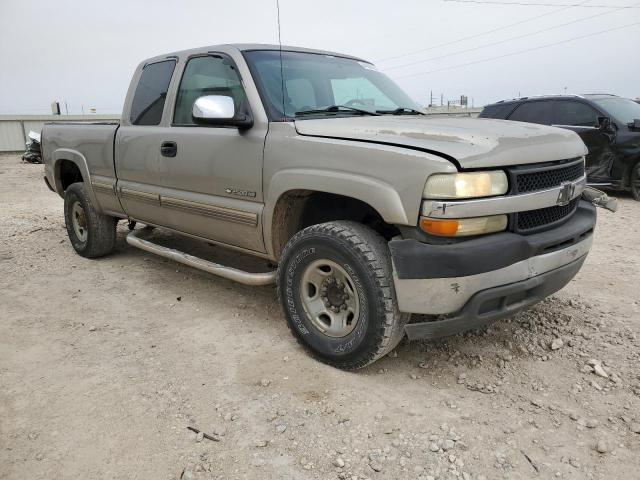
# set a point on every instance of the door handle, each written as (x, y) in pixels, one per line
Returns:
(169, 149)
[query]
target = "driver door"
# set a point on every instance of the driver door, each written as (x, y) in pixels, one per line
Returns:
(211, 186)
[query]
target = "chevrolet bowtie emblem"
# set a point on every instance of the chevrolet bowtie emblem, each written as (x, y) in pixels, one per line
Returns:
(567, 189)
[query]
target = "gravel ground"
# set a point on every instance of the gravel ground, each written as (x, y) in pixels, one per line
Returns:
(104, 364)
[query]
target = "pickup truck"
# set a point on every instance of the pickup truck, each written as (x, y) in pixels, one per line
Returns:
(368, 209)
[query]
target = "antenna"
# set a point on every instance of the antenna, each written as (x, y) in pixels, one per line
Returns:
(284, 112)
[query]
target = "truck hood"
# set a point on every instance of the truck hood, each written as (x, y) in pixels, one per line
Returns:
(472, 142)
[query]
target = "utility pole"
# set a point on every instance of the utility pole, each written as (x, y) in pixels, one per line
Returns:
(66, 107)
(441, 99)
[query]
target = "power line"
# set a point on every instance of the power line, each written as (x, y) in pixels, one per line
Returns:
(520, 51)
(526, 20)
(503, 41)
(536, 4)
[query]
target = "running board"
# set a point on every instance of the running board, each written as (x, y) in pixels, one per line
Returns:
(229, 273)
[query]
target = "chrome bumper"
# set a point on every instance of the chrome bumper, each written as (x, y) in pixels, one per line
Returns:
(438, 296)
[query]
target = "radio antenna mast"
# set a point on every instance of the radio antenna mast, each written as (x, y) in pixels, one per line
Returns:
(284, 112)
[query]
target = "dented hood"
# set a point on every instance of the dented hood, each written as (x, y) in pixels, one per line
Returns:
(472, 142)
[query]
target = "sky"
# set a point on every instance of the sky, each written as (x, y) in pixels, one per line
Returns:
(84, 52)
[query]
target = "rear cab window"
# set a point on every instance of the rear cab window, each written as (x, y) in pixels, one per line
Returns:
(534, 112)
(151, 92)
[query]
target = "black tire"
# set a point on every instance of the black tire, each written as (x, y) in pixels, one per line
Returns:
(364, 256)
(634, 181)
(94, 235)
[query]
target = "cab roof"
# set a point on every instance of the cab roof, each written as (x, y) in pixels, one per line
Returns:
(247, 47)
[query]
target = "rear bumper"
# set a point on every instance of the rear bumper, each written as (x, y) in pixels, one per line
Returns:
(481, 280)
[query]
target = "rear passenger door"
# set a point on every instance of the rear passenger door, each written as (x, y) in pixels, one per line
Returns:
(582, 118)
(138, 144)
(212, 187)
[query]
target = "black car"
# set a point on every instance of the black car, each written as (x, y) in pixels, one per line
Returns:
(608, 125)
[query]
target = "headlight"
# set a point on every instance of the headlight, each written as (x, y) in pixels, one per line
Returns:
(466, 185)
(463, 227)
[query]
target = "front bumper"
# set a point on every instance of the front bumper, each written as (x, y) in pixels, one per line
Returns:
(478, 281)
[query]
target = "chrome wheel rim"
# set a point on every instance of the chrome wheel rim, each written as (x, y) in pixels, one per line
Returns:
(329, 298)
(79, 222)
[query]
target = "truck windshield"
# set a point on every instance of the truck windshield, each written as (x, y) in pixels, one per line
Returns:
(622, 109)
(317, 85)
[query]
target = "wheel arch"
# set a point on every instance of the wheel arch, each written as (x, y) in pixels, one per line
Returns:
(66, 160)
(285, 206)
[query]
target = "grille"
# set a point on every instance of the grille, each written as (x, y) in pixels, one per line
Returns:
(530, 181)
(532, 220)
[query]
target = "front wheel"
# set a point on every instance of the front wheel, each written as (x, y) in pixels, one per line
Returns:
(335, 285)
(91, 233)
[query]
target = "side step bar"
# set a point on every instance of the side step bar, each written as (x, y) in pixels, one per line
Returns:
(229, 273)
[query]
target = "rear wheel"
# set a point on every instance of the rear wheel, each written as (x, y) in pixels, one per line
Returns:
(634, 181)
(91, 233)
(336, 287)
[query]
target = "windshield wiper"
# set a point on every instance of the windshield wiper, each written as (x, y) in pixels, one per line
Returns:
(335, 109)
(401, 111)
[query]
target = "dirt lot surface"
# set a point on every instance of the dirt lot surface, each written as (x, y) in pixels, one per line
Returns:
(105, 363)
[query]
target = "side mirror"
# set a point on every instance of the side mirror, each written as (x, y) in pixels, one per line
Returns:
(219, 110)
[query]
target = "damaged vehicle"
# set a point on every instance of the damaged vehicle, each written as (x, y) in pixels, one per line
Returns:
(364, 209)
(609, 125)
(32, 153)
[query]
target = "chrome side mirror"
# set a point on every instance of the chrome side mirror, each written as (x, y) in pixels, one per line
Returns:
(219, 110)
(214, 107)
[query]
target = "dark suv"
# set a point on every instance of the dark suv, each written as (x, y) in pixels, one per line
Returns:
(608, 125)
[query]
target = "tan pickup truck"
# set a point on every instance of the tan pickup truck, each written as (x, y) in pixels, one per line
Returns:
(319, 163)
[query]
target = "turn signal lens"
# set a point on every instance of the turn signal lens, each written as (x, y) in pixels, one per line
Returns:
(463, 227)
(466, 185)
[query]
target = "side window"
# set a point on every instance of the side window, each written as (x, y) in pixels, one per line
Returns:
(211, 75)
(500, 111)
(533, 112)
(578, 114)
(151, 92)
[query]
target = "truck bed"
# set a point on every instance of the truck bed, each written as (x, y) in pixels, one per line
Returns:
(92, 141)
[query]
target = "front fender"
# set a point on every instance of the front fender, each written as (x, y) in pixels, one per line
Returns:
(379, 195)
